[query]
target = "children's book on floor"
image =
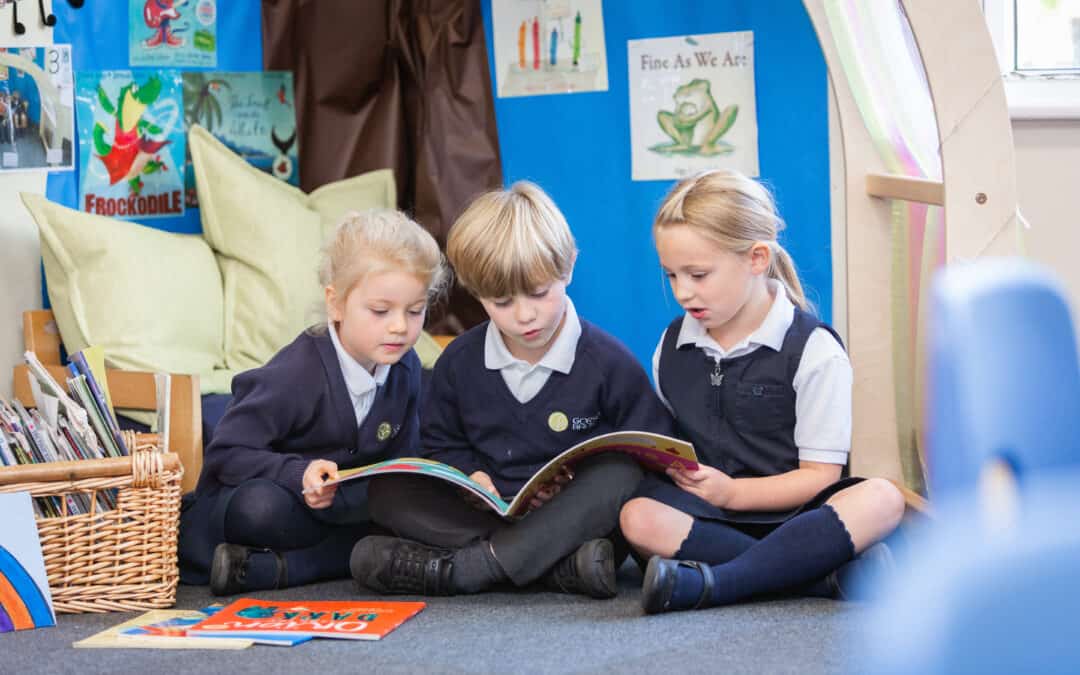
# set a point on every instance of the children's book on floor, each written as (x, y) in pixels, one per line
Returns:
(116, 638)
(346, 620)
(176, 627)
(653, 451)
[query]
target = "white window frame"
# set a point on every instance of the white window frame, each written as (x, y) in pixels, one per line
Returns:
(1031, 95)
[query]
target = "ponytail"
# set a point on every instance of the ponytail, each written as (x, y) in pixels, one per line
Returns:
(782, 269)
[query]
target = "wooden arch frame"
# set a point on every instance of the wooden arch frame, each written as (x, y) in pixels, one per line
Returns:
(978, 194)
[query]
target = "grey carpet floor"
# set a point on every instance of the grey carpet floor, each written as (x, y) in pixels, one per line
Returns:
(512, 632)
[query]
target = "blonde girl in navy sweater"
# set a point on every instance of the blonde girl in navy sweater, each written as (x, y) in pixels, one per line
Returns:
(342, 394)
(763, 390)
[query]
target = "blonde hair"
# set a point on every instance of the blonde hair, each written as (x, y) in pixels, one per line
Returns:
(735, 212)
(379, 240)
(510, 242)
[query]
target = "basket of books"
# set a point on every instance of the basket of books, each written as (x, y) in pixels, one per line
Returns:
(107, 502)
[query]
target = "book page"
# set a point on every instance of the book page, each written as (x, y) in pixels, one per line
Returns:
(653, 451)
(424, 467)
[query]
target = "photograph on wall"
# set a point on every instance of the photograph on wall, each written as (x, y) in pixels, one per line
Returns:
(692, 105)
(37, 119)
(252, 113)
(172, 33)
(131, 143)
(549, 47)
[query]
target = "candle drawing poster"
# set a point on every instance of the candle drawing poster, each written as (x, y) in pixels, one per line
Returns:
(37, 118)
(251, 113)
(25, 601)
(131, 143)
(692, 105)
(172, 33)
(549, 47)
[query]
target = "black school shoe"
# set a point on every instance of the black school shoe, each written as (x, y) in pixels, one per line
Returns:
(393, 565)
(590, 570)
(859, 578)
(229, 569)
(659, 585)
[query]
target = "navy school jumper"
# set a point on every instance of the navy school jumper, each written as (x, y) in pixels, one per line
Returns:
(473, 422)
(291, 411)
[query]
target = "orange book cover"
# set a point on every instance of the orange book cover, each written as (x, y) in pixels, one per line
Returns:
(348, 620)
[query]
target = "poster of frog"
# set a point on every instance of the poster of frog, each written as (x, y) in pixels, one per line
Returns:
(692, 105)
(131, 143)
(548, 47)
(172, 33)
(252, 113)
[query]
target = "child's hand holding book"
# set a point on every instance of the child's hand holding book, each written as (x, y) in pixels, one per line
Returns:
(317, 494)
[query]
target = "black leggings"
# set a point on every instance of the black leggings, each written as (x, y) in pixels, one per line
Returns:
(261, 514)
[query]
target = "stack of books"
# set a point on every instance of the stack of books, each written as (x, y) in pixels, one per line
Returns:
(75, 422)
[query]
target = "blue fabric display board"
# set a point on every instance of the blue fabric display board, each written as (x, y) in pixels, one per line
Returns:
(98, 35)
(577, 147)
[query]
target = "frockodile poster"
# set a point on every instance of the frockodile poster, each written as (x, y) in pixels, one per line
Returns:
(131, 143)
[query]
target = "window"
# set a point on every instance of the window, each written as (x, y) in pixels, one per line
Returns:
(1038, 47)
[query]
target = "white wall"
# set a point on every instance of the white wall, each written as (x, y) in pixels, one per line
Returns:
(20, 255)
(1048, 191)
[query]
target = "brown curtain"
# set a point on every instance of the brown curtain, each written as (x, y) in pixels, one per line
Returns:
(402, 84)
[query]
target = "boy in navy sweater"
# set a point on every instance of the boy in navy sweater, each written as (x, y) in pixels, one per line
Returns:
(505, 398)
(342, 394)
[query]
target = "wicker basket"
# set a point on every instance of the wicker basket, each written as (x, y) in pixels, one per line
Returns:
(117, 560)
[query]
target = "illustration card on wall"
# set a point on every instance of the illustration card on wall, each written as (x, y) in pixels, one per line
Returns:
(549, 47)
(37, 119)
(251, 113)
(25, 601)
(692, 105)
(172, 33)
(131, 143)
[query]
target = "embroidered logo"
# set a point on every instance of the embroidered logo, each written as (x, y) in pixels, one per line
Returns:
(584, 423)
(558, 421)
(384, 431)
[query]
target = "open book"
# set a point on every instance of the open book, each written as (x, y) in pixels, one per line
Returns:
(653, 451)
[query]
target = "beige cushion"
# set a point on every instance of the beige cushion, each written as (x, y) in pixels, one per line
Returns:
(267, 236)
(151, 299)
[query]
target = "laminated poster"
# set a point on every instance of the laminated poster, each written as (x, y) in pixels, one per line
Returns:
(37, 119)
(25, 601)
(172, 33)
(131, 143)
(692, 105)
(251, 113)
(549, 47)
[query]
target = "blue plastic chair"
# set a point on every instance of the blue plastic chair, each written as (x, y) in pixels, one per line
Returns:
(981, 594)
(1003, 381)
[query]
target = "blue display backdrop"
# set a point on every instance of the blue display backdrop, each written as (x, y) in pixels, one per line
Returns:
(577, 147)
(98, 35)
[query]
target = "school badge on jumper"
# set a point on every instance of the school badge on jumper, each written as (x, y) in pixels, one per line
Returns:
(558, 421)
(383, 432)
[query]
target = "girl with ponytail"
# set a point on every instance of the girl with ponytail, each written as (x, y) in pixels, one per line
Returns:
(762, 388)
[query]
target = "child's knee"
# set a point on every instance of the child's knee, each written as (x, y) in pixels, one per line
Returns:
(886, 500)
(639, 520)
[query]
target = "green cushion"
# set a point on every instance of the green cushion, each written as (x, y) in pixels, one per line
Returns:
(267, 236)
(151, 299)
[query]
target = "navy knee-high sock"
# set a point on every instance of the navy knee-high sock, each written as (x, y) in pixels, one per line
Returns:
(794, 557)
